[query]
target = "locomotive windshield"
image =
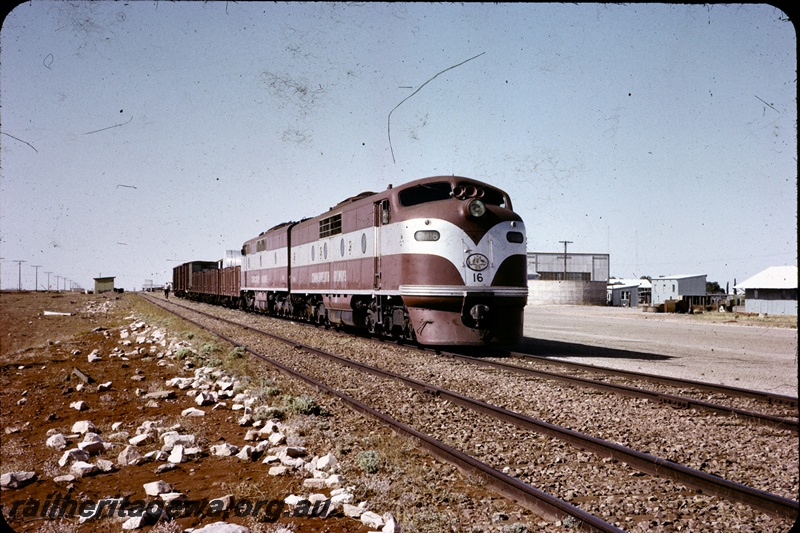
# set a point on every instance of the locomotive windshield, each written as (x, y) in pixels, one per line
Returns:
(434, 192)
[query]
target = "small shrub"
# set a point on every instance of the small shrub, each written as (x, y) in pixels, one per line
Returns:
(183, 353)
(237, 353)
(302, 405)
(369, 461)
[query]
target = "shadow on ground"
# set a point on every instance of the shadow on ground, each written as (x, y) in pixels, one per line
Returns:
(555, 349)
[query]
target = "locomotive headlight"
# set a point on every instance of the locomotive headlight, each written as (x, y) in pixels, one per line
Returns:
(476, 208)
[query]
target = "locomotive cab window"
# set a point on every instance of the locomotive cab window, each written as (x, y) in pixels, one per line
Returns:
(430, 192)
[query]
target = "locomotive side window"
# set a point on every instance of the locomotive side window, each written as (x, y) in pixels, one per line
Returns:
(330, 226)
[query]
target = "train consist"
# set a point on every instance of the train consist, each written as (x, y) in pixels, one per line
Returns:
(439, 260)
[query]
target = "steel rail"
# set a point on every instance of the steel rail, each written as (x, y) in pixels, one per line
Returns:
(768, 397)
(526, 495)
(635, 392)
(715, 485)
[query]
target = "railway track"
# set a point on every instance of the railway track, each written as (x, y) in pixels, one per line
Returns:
(685, 402)
(775, 505)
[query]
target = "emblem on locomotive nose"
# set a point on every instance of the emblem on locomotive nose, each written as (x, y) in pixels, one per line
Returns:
(477, 262)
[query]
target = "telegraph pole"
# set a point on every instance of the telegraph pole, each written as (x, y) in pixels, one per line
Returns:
(19, 264)
(36, 286)
(565, 243)
(48, 280)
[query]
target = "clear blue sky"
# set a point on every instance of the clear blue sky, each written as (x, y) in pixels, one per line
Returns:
(138, 135)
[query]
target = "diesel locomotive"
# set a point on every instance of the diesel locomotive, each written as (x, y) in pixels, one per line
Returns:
(440, 261)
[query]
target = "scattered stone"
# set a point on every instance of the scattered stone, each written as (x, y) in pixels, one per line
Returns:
(84, 426)
(176, 455)
(166, 467)
(224, 450)
(352, 511)
(57, 442)
(222, 527)
(135, 522)
(140, 439)
(193, 411)
(82, 468)
(94, 356)
(205, 398)
(15, 480)
(278, 470)
(157, 487)
(66, 478)
(171, 439)
(276, 439)
(314, 483)
(75, 454)
(104, 386)
(104, 465)
(79, 405)
(326, 462)
(373, 520)
(129, 457)
(160, 395)
(246, 453)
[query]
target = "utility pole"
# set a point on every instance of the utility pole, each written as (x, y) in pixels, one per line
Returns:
(36, 286)
(565, 243)
(48, 280)
(19, 264)
(57, 282)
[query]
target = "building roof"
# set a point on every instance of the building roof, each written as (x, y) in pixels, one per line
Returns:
(682, 276)
(777, 277)
(622, 282)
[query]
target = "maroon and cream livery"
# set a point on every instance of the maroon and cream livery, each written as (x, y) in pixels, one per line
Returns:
(441, 260)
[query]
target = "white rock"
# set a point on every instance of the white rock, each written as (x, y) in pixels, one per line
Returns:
(129, 457)
(278, 470)
(104, 465)
(94, 356)
(75, 454)
(134, 522)
(92, 447)
(371, 519)
(79, 405)
(390, 524)
(205, 398)
(57, 442)
(314, 483)
(224, 450)
(82, 468)
(251, 435)
(326, 462)
(171, 439)
(333, 480)
(115, 426)
(104, 386)
(353, 511)
(176, 455)
(222, 527)
(193, 411)
(140, 439)
(15, 480)
(83, 426)
(277, 438)
(246, 453)
(157, 487)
